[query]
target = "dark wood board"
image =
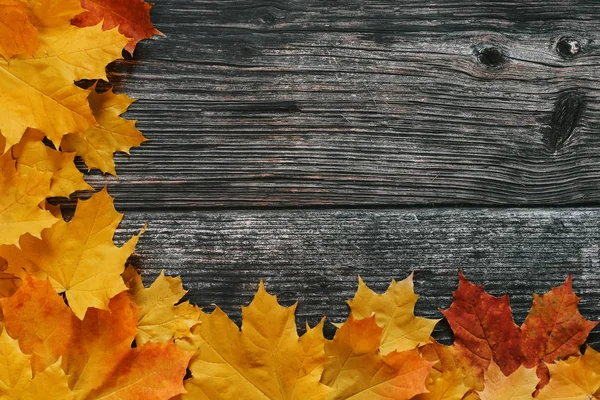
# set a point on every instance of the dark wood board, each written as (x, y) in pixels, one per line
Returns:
(315, 256)
(364, 102)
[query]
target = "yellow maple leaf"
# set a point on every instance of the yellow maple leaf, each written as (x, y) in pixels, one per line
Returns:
(356, 369)
(159, 319)
(17, 381)
(113, 134)
(38, 91)
(520, 385)
(394, 311)
(20, 199)
(17, 34)
(446, 378)
(52, 13)
(31, 153)
(265, 360)
(576, 378)
(78, 256)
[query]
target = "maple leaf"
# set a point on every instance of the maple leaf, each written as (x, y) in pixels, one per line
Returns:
(554, 329)
(159, 319)
(113, 134)
(394, 311)
(265, 360)
(17, 33)
(446, 379)
(78, 256)
(483, 329)
(38, 91)
(96, 353)
(20, 199)
(132, 17)
(520, 385)
(577, 378)
(52, 13)
(17, 381)
(41, 321)
(31, 153)
(358, 370)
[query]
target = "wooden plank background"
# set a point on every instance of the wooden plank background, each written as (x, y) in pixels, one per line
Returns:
(306, 142)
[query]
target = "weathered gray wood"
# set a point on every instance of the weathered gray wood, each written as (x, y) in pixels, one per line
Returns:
(315, 256)
(286, 103)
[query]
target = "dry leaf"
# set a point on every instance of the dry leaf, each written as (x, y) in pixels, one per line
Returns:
(17, 34)
(577, 378)
(31, 153)
(356, 368)
(266, 359)
(159, 318)
(96, 353)
(20, 199)
(17, 381)
(483, 330)
(394, 311)
(131, 16)
(40, 320)
(446, 379)
(113, 134)
(38, 90)
(520, 385)
(78, 256)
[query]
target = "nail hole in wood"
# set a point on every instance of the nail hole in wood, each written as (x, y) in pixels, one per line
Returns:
(568, 47)
(491, 57)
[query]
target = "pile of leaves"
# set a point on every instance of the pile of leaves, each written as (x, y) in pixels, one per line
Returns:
(77, 323)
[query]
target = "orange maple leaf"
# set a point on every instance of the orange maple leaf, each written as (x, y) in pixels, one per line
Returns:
(96, 353)
(17, 33)
(358, 370)
(484, 329)
(132, 17)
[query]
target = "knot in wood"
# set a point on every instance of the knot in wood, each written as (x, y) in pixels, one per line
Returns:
(491, 56)
(568, 47)
(568, 110)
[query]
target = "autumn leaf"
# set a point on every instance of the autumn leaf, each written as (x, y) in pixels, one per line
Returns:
(40, 320)
(394, 311)
(446, 379)
(78, 256)
(554, 328)
(17, 34)
(45, 14)
(113, 134)
(132, 17)
(38, 90)
(520, 385)
(31, 153)
(577, 378)
(264, 360)
(20, 199)
(160, 318)
(150, 371)
(356, 368)
(96, 353)
(17, 381)
(483, 329)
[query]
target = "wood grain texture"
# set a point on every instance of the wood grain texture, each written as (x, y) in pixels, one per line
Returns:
(315, 256)
(364, 102)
